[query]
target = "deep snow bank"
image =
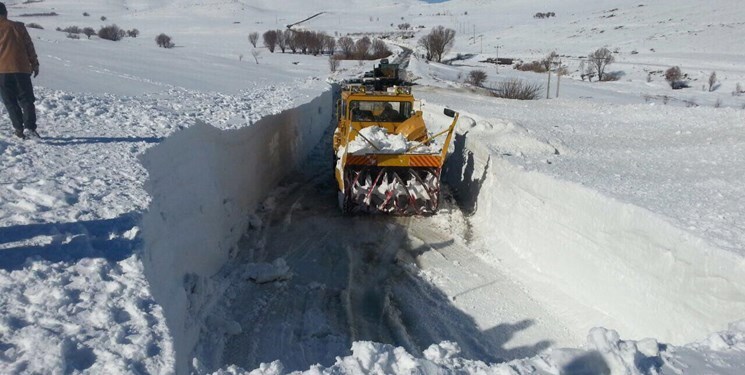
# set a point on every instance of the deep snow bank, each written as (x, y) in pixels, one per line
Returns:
(596, 260)
(204, 182)
(603, 353)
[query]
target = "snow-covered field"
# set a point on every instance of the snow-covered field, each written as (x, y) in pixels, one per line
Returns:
(179, 216)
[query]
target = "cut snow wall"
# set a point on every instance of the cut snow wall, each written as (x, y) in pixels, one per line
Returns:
(620, 265)
(204, 182)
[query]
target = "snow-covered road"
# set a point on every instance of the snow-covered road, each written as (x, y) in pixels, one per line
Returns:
(329, 280)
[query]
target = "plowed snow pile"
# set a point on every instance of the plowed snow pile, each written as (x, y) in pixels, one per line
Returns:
(604, 353)
(375, 139)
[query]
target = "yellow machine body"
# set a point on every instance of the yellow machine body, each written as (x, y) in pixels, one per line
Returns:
(359, 107)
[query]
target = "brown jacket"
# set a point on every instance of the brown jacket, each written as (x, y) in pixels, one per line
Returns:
(17, 54)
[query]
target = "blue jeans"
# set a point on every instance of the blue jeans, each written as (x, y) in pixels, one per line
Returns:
(18, 96)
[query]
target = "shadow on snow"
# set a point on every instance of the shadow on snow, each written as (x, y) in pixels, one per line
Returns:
(352, 279)
(65, 141)
(67, 242)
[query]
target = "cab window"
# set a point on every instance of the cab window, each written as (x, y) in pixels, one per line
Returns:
(380, 111)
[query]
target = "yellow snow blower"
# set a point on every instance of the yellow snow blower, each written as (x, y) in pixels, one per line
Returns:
(386, 161)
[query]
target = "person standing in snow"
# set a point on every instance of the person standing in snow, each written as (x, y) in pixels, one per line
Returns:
(17, 61)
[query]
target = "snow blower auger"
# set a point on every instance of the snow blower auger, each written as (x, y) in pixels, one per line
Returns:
(384, 158)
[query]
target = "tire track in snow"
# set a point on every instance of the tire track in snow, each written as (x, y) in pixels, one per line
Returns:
(368, 303)
(409, 282)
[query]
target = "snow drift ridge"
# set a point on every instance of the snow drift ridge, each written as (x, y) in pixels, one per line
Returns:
(621, 265)
(204, 182)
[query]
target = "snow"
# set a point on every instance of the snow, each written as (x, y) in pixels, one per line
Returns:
(375, 139)
(99, 316)
(603, 353)
(664, 159)
(204, 183)
(137, 237)
(601, 240)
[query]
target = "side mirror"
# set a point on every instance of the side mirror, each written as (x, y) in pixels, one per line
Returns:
(449, 112)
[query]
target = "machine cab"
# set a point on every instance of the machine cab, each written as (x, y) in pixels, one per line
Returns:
(392, 109)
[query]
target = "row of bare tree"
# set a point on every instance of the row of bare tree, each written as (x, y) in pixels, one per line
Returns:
(437, 43)
(364, 48)
(306, 42)
(318, 42)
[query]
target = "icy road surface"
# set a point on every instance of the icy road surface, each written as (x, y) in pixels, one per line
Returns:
(308, 281)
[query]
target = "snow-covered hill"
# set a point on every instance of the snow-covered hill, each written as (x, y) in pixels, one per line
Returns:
(160, 225)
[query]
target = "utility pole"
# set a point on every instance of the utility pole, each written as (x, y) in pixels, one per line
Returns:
(548, 88)
(474, 34)
(558, 79)
(482, 43)
(497, 58)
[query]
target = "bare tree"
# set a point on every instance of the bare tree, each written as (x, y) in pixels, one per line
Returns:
(71, 30)
(133, 33)
(600, 59)
(311, 42)
(380, 49)
(302, 39)
(673, 76)
(712, 81)
(291, 40)
(88, 31)
(282, 40)
(362, 47)
(164, 41)
(518, 89)
(329, 44)
(255, 53)
(111, 32)
(270, 40)
(334, 62)
(253, 38)
(316, 42)
(476, 77)
(346, 46)
(549, 60)
(438, 42)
